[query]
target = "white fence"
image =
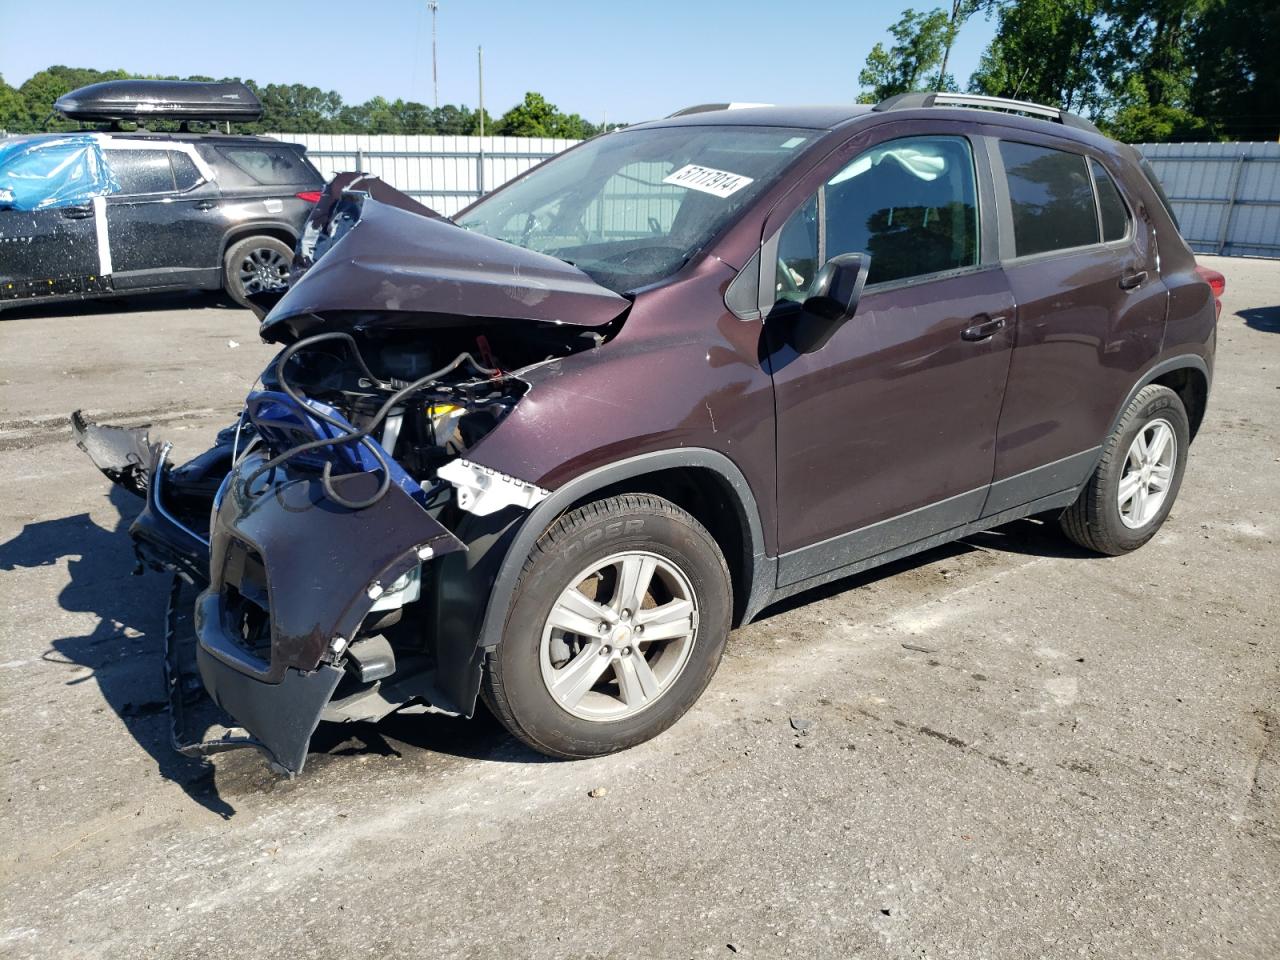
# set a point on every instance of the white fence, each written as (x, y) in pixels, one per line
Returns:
(445, 173)
(1226, 195)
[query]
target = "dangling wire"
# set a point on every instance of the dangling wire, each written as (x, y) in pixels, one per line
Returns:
(351, 435)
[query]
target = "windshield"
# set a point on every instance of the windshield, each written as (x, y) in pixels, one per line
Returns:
(632, 207)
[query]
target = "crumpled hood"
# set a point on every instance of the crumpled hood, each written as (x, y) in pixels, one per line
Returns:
(426, 271)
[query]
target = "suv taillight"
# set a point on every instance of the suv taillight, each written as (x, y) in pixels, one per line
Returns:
(1217, 283)
(311, 196)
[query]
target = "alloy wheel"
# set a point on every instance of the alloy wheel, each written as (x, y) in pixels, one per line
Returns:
(1148, 474)
(618, 636)
(262, 269)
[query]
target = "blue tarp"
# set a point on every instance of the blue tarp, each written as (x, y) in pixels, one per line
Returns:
(39, 173)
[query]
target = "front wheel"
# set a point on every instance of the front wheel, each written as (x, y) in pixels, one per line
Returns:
(619, 621)
(1137, 479)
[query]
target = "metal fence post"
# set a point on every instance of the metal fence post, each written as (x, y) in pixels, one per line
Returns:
(1225, 229)
(359, 160)
(480, 170)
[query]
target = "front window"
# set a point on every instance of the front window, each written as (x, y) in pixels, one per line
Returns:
(908, 205)
(632, 207)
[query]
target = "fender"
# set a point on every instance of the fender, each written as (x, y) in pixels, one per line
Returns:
(250, 228)
(761, 568)
(461, 651)
(1180, 362)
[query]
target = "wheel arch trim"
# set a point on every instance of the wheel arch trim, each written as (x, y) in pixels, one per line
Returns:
(760, 576)
(1184, 361)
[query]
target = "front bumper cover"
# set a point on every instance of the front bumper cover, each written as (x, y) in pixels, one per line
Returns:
(315, 569)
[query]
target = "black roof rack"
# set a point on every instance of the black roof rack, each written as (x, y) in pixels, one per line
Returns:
(141, 100)
(913, 101)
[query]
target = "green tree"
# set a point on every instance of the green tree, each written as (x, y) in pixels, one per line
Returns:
(1047, 51)
(1235, 57)
(1147, 68)
(921, 42)
(42, 89)
(13, 110)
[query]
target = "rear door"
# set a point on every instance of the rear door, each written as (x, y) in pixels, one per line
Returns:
(163, 224)
(886, 434)
(1091, 307)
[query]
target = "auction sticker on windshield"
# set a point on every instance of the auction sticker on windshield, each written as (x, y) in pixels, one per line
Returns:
(719, 183)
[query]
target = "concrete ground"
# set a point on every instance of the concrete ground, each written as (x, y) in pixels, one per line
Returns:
(1015, 750)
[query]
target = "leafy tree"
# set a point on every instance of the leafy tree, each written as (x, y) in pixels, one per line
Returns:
(921, 43)
(1235, 57)
(1047, 51)
(1148, 69)
(41, 90)
(13, 109)
(297, 108)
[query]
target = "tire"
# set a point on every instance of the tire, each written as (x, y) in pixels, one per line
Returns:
(631, 532)
(252, 264)
(1098, 520)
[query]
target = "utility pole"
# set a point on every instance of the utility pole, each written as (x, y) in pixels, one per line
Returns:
(434, 7)
(480, 155)
(480, 65)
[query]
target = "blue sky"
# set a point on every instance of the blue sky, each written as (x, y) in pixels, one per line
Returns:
(624, 61)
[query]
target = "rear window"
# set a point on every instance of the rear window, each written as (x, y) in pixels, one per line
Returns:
(141, 171)
(269, 165)
(1051, 196)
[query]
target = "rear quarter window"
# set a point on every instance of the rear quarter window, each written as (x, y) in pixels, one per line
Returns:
(1115, 216)
(270, 165)
(1051, 197)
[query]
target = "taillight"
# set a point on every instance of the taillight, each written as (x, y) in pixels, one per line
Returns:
(1217, 282)
(311, 196)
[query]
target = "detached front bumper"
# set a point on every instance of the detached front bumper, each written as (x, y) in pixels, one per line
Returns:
(292, 575)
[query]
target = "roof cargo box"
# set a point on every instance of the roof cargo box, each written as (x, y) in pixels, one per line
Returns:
(160, 99)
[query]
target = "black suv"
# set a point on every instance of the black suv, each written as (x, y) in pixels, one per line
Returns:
(108, 212)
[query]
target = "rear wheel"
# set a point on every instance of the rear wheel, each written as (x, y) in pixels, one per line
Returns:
(619, 622)
(255, 264)
(1137, 479)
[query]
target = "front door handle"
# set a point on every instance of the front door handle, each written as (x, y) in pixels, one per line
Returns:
(77, 213)
(206, 204)
(1132, 281)
(985, 328)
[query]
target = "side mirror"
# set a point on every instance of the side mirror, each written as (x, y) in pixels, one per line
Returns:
(832, 299)
(835, 291)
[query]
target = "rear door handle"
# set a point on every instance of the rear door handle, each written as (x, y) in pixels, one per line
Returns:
(77, 213)
(1133, 280)
(986, 328)
(206, 204)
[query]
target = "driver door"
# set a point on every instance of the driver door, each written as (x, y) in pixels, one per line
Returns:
(886, 433)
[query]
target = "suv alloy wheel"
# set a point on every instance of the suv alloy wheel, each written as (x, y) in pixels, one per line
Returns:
(619, 622)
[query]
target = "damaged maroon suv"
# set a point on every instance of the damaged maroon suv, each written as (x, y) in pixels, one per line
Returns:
(550, 452)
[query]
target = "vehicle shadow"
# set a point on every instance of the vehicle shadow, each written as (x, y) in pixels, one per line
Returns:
(136, 303)
(123, 650)
(1030, 536)
(1266, 319)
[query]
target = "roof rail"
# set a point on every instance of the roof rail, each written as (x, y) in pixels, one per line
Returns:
(913, 101)
(707, 107)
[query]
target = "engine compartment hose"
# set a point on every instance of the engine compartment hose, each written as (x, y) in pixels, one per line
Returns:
(348, 433)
